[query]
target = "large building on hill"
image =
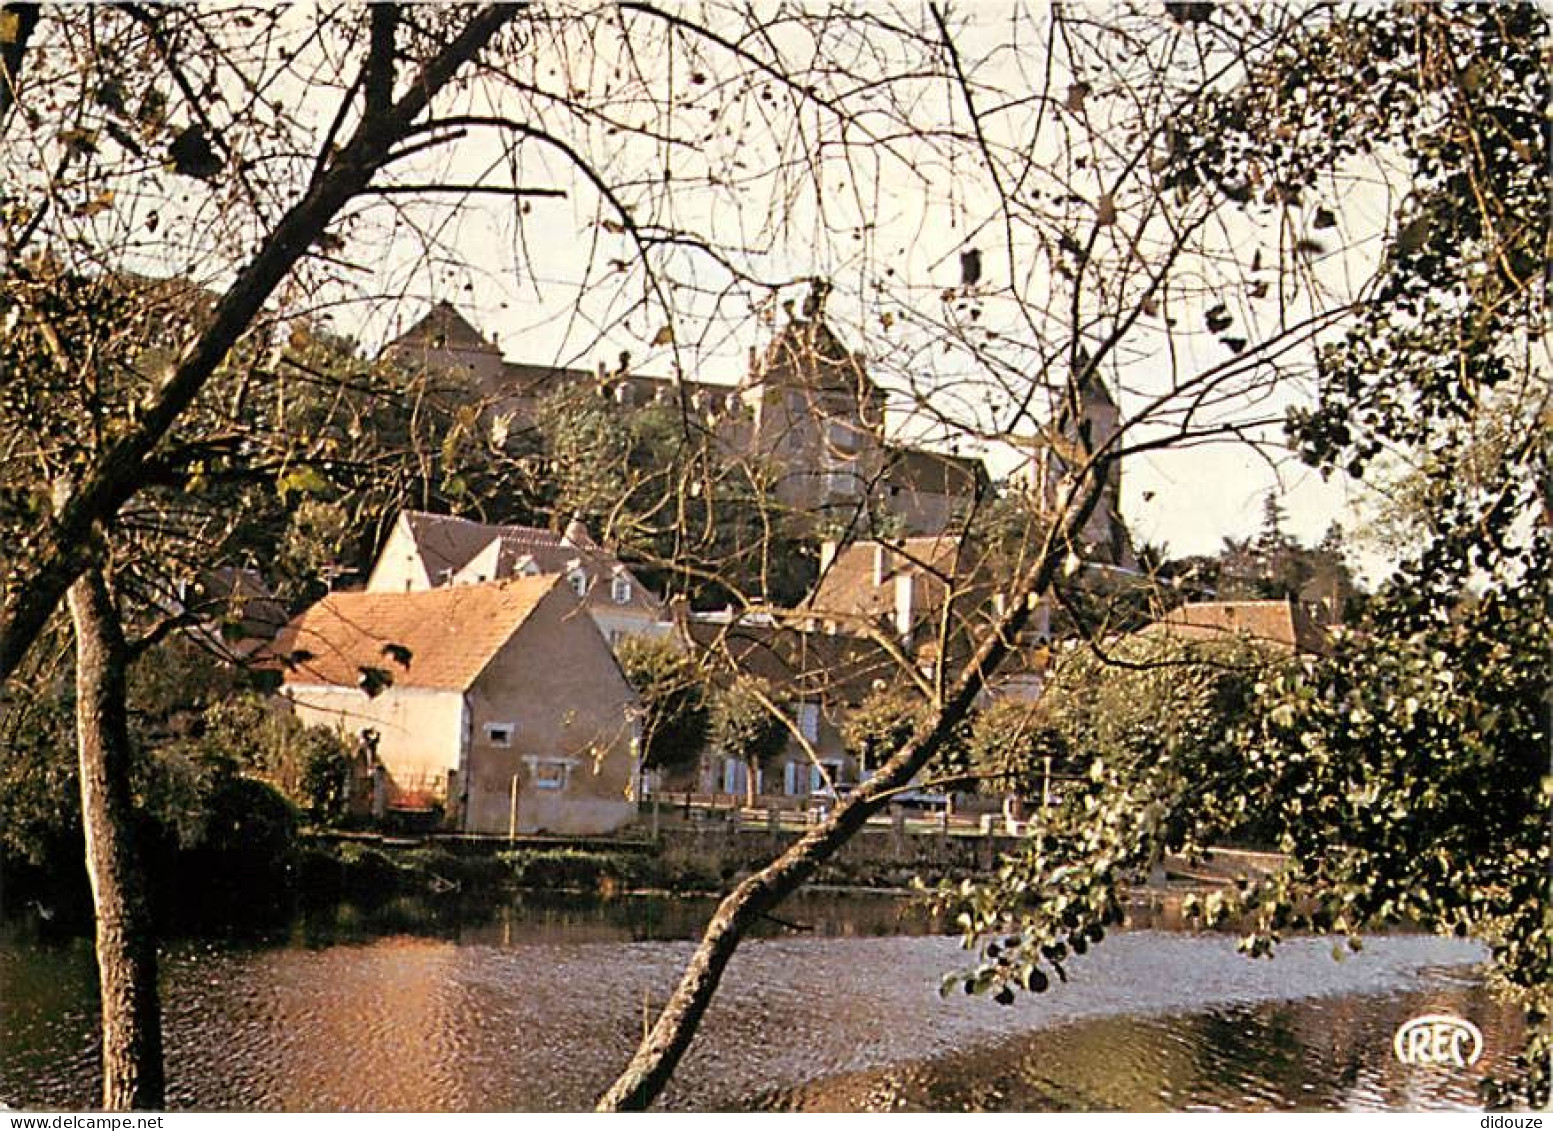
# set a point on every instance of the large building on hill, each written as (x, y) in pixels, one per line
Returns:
(806, 408)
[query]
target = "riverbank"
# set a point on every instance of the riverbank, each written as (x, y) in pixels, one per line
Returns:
(259, 887)
(694, 861)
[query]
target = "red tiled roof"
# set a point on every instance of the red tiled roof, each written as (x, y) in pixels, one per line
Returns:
(847, 587)
(447, 635)
(1281, 623)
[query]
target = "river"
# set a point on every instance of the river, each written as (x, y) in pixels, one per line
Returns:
(538, 1004)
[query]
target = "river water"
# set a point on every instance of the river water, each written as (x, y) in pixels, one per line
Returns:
(539, 1004)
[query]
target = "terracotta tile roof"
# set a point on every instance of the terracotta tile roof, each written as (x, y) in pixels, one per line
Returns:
(847, 587)
(1281, 623)
(450, 634)
(835, 667)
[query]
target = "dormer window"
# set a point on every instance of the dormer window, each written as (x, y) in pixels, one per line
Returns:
(578, 581)
(620, 589)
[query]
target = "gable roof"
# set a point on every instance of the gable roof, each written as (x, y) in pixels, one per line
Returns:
(447, 544)
(1284, 623)
(450, 634)
(442, 327)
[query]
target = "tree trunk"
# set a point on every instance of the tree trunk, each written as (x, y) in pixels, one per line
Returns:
(126, 941)
(660, 1051)
(13, 52)
(103, 488)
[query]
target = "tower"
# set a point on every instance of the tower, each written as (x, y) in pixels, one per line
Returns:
(1081, 436)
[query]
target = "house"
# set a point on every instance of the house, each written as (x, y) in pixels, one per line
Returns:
(901, 586)
(1283, 624)
(428, 551)
(818, 677)
(498, 701)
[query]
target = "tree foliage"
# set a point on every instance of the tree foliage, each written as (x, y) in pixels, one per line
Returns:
(1406, 774)
(674, 711)
(745, 724)
(1013, 748)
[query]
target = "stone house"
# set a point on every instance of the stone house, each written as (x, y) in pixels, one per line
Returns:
(500, 702)
(818, 677)
(429, 551)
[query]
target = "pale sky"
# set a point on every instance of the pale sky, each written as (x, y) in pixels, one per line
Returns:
(536, 278)
(884, 221)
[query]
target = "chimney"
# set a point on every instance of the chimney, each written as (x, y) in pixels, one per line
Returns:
(576, 533)
(827, 556)
(881, 561)
(905, 604)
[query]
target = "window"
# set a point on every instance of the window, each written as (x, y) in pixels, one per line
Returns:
(616, 638)
(809, 721)
(620, 589)
(578, 581)
(499, 734)
(550, 774)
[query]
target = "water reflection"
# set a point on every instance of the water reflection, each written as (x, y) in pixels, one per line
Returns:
(1317, 1054)
(537, 1005)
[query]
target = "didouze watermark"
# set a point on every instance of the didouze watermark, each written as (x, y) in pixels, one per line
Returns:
(1438, 1040)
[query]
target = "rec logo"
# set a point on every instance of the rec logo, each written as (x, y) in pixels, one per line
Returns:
(1438, 1040)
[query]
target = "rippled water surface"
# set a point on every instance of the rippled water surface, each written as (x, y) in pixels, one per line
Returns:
(540, 1006)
